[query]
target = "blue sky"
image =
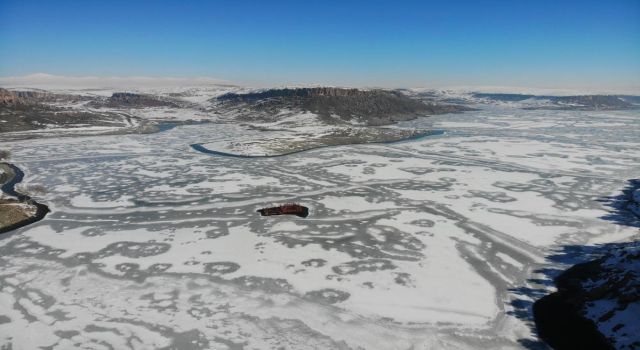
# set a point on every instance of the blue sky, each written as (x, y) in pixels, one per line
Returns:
(359, 43)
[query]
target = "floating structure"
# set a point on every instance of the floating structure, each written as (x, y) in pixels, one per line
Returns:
(285, 209)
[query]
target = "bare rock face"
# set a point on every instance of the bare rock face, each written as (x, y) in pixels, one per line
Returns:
(598, 301)
(372, 107)
(33, 96)
(10, 99)
(131, 100)
(37, 110)
(15, 98)
(23, 99)
(293, 93)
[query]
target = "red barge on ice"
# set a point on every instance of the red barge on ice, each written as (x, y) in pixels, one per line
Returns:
(285, 209)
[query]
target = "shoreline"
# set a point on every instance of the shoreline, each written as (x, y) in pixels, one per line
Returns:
(200, 148)
(558, 316)
(8, 188)
(561, 317)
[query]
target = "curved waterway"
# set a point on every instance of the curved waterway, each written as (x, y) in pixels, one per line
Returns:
(200, 148)
(9, 188)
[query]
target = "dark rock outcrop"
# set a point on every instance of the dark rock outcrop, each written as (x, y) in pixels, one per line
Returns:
(559, 316)
(131, 100)
(373, 107)
(10, 99)
(593, 307)
(597, 305)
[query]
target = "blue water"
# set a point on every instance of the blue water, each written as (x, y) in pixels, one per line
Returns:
(9, 187)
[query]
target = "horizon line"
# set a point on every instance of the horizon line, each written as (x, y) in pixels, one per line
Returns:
(53, 81)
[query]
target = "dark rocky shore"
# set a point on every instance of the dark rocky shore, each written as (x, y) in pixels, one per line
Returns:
(8, 187)
(559, 316)
(597, 302)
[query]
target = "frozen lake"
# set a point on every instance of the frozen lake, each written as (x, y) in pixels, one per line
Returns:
(432, 243)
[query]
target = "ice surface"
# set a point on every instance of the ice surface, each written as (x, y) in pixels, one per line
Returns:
(420, 244)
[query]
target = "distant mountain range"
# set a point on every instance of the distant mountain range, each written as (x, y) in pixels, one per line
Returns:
(568, 102)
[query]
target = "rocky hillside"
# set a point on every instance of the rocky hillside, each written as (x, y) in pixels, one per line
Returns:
(25, 111)
(131, 100)
(10, 99)
(371, 107)
(597, 305)
(634, 204)
(578, 102)
(611, 296)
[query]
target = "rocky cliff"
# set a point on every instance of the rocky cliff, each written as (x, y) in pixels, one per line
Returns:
(372, 107)
(131, 100)
(34, 97)
(9, 98)
(597, 305)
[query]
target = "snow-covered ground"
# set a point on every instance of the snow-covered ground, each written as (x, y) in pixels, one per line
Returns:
(615, 290)
(422, 244)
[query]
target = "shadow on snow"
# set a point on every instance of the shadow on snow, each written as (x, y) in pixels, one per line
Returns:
(569, 255)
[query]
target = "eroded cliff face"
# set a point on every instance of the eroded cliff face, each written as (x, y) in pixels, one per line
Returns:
(610, 296)
(604, 296)
(9, 98)
(297, 92)
(597, 304)
(24, 111)
(13, 98)
(371, 107)
(131, 100)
